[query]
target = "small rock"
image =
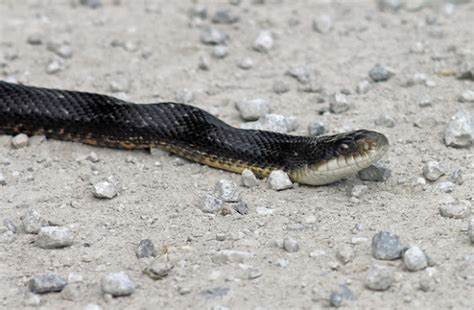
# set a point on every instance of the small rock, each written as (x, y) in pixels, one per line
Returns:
(54, 66)
(74, 277)
(455, 210)
(445, 187)
(10, 225)
(7, 236)
(290, 245)
(465, 71)
(335, 299)
(220, 51)
(304, 74)
(363, 87)
(20, 140)
(379, 278)
(467, 96)
(249, 179)
(246, 63)
(414, 259)
(339, 103)
(63, 51)
(225, 16)
(385, 121)
(264, 42)
(159, 268)
(389, 5)
(104, 190)
(120, 84)
(204, 63)
(199, 10)
(35, 39)
(210, 204)
(241, 207)
(184, 95)
(231, 256)
(145, 248)
(93, 4)
(227, 191)
(432, 171)
(32, 221)
(359, 190)
(3, 181)
(280, 87)
(424, 102)
(470, 230)
(380, 73)
(32, 300)
(345, 254)
(457, 176)
(71, 292)
(279, 180)
(374, 173)
(93, 157)
(213, 36)
(316, 128)
(46, 283)
(386, 246)
(253, 109)
(117, 284)
(460, 130)
(254, 273)
(273, 122)
(323, 23)
(53, 237)
(263, 210)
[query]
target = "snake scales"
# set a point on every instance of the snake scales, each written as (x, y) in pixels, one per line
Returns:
(184, 130)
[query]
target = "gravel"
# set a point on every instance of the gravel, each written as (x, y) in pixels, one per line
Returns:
(117, 284)
(470, 230)
(46, 283)
(386, 246)
(359, 190)
(385, 121)
(227, 191)
(6, 236)
(145, 248)
(380, 73)
(280, 87)
(273, 122)
(93, 4)
(241, 207)
(20, 140)
(264, 42)
(10, 225)
(345, 254)
(335, 299)
(379, 278)
(249, 179)
(375, 173)
(290, 245)
(220, 51)
(246, 63)
(3, 181)
(54, 66)
(225, 16)
(323, 23)
(460, 130)
(445, 187)
(207, 203)
(316, 128)
(414, 259)
(457, 176)
(432, 171)
(279, 180)
(456, 210)
(253, 109)
(363, 87)
(104, 190)
(339, 103)
(184, 95)
(32, 222)
(467, 96)
(53, 237)
(213, 36)
(204, 63)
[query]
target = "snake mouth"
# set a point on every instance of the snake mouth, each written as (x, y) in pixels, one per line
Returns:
(365, 148)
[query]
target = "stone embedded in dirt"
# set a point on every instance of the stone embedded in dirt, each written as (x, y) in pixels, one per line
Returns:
(145, 248)
(379, 278)
(74, 277)
(375, 173)
(273, 122)
(72, 292)
(46, 283)
(54, 66)
(241, 207)
(290, 245)
(184, 95)
(465, 71)
(31, 300)
(380, 73)
(316, 128)
(53, 237)
(385, 121)
(414, 259)
(32, 221)
(432, 170)
(213, 36)
(92, 307)
(227, 190)
(386, 246)
(280, 87)
(456, 210)
(248, 178)
(470, 230)
(20, 140)
(159, 268)
(220, 51)
(120, 84)
(6, 236)
(279, 180)
(253, 109)
(339, 103)
(457, 176)
(3, 181)
(460, 130)
(303, 73)
(231, 256)
(225, 16)
(117, 284)
(425, 101)
(359, 190)
(92, 157)
(264, 42)
(445, 187)
(363, 87)
(323, 23)
(345, 254)
(207, 203)
(104, 190)
(204, 63)
(35, 39)
(93, 4)
(335, 299)
(62, 50)
(199, 10)
(246, 63)
(467, 96)
(10, 225)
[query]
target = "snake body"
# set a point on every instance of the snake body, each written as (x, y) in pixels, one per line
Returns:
(184, 130)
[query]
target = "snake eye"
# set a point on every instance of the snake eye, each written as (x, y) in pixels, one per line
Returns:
(342, 149)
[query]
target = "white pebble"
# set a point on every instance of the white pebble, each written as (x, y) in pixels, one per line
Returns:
(32, 221)
(456, 210)
(246, 63)
(117, 284)
(460, 130)
(415, 259)
(209, 204)
(290, 245)
(279, 180)
(227, 190)
(253, 109)
(248, 178)
(52, 237)
(104, 190)
(20, 140)
(264, 42)
(432, 171)
(379, 278)
(323, 23)
(467, 96)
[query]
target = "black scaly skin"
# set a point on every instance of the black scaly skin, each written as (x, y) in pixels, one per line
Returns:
(107, 121)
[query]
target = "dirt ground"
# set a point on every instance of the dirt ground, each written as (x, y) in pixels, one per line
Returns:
(155, 47)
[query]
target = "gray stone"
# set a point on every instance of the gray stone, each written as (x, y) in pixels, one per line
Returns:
(35, 39)
(145, 248)
(279, 180)
(359, 190)
(290, 245)
(385, 121)
(345, 254)
(363, 87)
(46, 283)
(32, 221)
(199, 10)
(414, 259)
(335, 299)
(210, 204)
(54, 66)
(204, 63)
(211, 35)
(7, 236)
(20, 140)
(93, 4)
(339, 103)
(379, 278)
(10, 225)
(72, 292)
(52, 237)
(104, 190)
(249, 179)
(225, 16)
(323, 23)
(280, 87)
(220, 51)
(432, 170)
(253, 109)
(467, 96)
(470, 230)
(445, 187)
(231, 256)
(375, 173)
(184, 95)
(3, 181)
(380, 73)
(120, 84)
(389, 5)
(254, 273)
(386, 246)
(308, 77)
(159, 268)
(241, 207)
(246, 63)
(425, 101)
(74, 277)
(460, 130)
(465, 71)
(457, 176)
(316, 128)
(272, 122)
(227, 191)
(117, 284)
(456, 210)
(264, 42)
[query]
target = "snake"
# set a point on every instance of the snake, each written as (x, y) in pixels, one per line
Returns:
(186, 131)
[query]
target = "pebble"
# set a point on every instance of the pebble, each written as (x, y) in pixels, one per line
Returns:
(46, 283)
(71, 292)
(279, 180)
(375, 173)
(6, 236)
(414, 259)
(290, 245)
(74, 277)
(264, 210)
(184, 95)
(32, 300)
(316, 128)
(432, 170)
(35, 39)
(120, 84)
(456, 210)
(380, 73)
(62, 50)
(3, 181)
(339, 103)
(117, 284)
(445, 187)
(379, 278)
(204, 63)
(10, 225)
(273, 122)
(359, 190)
(345, 254)
(335, 299)
(363, 87)
(227, 191)
(253, 109)
(385, 121)
(460, 130)
(220, 51)
(246, 63)
(104, 190)
(386, 246)
(264, 42)
(389, 5)
(20, 140)
(53, 237)
(470, 230)
(425, 101)
(457, 176)
(248, 178)
(145, 248)
(159, 268)
(32, 221)
(210, 204)
(199, 10)
(241, 207)
(93, 4)
(280, 87)
(467, 96)
(231, 256)
(225, 16)
(465, 71)
(213, 36)
(323, 23)
(54, 66)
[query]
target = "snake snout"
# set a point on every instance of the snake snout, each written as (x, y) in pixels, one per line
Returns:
(372, 143)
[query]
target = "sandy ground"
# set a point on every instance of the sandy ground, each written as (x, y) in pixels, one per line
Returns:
(161, 57)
